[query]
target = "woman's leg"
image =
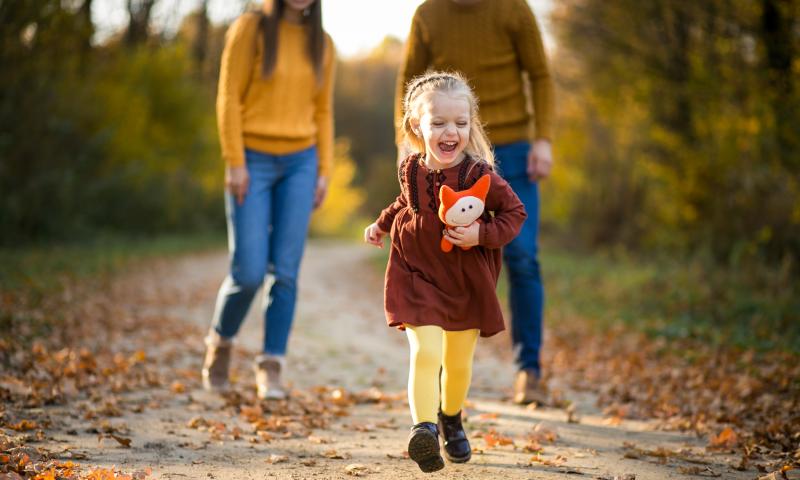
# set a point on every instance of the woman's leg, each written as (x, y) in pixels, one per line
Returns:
(292, 202)
(248, 234)
(458, 349)
(425, 343)
(248, 237)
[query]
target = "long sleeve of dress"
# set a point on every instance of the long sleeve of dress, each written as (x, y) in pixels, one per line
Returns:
(509, 214)
(386, 218)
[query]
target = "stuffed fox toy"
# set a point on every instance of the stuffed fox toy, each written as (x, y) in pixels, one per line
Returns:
(460, 209)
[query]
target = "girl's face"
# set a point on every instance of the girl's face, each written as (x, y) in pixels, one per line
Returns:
(444, 124)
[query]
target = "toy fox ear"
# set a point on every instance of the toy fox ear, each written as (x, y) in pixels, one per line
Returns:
(481, 187)
(447, 195)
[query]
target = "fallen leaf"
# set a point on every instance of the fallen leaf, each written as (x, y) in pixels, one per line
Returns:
(177, 387)
(699, 471)
(725, 439)
(272, 459)
(125, 442)
(319, 440)
(357, 470)
(333, 454)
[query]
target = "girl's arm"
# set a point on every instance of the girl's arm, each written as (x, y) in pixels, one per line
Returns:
(374, 233)
(509, 214)
(386, 218)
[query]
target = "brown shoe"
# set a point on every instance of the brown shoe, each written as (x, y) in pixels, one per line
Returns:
(268, 377)
(528, 388)
(217, 361)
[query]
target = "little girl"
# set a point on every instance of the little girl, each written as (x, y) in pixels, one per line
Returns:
(443, 300)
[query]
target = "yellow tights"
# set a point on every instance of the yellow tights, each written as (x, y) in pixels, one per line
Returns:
(431, 348)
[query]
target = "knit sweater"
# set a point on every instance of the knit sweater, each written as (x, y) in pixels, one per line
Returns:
(285, 113)
(492, 43)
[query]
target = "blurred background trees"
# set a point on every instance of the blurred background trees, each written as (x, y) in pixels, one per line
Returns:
(678, 128)
(680, 125)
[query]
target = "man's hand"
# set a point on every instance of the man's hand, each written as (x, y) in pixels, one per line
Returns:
(464, 236)
(374, 235)
(237, 181)
(540, 160)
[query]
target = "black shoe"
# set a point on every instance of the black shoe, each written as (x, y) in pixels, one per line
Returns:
(423, 447)
(456, 445)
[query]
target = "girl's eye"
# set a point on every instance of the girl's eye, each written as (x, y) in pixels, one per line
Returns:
(462, 124)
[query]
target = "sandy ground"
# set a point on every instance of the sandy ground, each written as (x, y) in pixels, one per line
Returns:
(340, 340)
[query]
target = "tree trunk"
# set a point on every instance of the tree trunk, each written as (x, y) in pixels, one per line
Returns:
(139, 21)
(779, 44)
(200, 41)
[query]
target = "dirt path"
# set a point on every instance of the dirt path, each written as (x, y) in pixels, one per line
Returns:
(340, 346)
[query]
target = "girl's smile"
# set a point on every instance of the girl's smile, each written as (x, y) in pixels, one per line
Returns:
(444, 125)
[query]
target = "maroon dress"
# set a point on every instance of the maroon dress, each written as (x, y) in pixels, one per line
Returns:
(453, 290)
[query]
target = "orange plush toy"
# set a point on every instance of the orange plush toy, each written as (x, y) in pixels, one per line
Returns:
(460, 209)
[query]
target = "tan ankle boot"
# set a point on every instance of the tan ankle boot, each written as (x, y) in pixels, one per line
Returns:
(268, 377)
(217, 361)
(529, 388)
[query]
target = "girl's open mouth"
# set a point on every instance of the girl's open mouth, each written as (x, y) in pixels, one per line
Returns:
(448, 147)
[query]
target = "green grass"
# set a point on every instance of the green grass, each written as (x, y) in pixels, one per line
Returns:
(753, 306)
(34, 276)
(42, 268)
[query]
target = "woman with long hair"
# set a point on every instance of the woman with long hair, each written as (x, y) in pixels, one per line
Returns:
(275, 119)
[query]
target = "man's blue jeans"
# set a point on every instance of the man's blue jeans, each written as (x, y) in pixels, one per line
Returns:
(525, 282)
(267, 234)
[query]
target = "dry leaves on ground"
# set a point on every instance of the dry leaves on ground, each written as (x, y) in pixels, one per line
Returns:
(741, 401)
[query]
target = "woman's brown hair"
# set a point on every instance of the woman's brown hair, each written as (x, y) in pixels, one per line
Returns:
(270, 20)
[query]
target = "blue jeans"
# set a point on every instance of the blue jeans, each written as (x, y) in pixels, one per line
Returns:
(267, 234)
(525, 282)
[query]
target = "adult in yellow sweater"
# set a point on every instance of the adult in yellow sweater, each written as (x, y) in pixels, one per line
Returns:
(495, 44)
(275, 118)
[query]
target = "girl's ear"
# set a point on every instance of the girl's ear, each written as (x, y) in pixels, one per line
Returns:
(415, 127)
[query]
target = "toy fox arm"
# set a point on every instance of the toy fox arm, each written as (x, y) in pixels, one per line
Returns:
(509, 215)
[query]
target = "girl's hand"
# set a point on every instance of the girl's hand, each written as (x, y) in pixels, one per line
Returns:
(374, 235)
(237, 181)
(464, 236)
(320, 192)
(540, 160)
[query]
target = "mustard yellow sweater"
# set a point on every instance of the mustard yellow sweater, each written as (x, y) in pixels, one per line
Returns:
(491, 42)
(286, 113)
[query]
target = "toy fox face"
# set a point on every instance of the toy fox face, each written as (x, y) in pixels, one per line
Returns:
(460, 209)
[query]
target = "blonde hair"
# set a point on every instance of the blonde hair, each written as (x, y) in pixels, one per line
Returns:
(421, 89)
